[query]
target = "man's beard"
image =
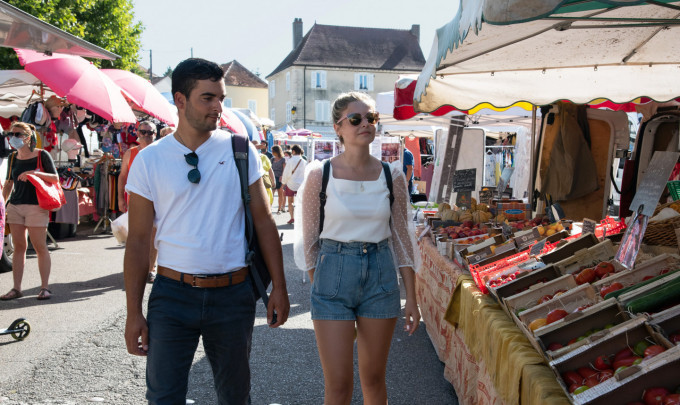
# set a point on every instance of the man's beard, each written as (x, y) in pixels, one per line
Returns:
(200, 123)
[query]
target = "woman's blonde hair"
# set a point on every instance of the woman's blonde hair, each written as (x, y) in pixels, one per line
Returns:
(28, 128)
(344, 99)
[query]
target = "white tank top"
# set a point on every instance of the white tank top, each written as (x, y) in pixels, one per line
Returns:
(357, 211)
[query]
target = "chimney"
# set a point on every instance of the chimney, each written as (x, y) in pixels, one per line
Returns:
(297, 32)
(415, 30)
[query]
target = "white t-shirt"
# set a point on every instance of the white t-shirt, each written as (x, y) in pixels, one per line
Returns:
(200, 227)
(356, 211)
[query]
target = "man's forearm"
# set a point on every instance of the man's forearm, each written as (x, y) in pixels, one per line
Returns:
(136, 267)
(270, 245)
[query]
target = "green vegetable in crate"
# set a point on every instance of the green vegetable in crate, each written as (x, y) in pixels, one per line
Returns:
(657, 298)
(616, 293)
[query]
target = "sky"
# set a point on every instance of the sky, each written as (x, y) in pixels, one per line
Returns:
(258, 33)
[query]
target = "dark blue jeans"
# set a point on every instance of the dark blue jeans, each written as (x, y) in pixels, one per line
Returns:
(178, 315)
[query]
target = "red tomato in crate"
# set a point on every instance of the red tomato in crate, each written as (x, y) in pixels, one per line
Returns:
(602, 363)
(586, 372)
(585, 276)
(605, 374)
(653, 350)
(655, 395)
(592, 381)
(672, 399)
(555, 315)
(674, 338)
(603, 269)
(554, 346)
(627, 361)
(573, 378)
(623, 353)
(610, 288)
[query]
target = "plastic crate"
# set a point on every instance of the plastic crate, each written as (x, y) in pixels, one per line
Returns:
(674, 189)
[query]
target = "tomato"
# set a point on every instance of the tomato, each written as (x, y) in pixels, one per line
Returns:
(674, 338)
(623, 353)
(653, 350)
(628, 361)
(602, 363)
(654, 395)
(556, 315)
(573, 387)
(555, 346)
(586, 372)
(672, 399)
(572, 377)
(610, 288)
(605, 374)
(592, 381)
(603, 269)
(585, 276)
(544, 298)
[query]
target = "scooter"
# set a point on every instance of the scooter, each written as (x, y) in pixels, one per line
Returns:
(19, 329)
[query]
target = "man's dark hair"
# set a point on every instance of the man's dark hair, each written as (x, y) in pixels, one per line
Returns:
(189, 71)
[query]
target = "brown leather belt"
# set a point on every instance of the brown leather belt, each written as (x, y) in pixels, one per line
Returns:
(205, 281)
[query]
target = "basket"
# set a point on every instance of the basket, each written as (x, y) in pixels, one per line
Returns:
(674, 189)
(662, 232)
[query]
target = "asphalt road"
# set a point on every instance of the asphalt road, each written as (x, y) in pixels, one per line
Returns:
(75, 353)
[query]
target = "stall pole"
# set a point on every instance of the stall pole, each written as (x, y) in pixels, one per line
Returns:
(530, 189)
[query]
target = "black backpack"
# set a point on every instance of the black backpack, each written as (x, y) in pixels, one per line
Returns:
(324, 184)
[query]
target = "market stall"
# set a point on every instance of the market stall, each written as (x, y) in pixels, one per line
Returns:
(509, 275)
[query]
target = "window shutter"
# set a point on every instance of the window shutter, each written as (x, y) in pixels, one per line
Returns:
(313, 81)
(318, 110)
(357, 81)
(323, 79)
(327, 109)
(272, 89)
(370, 82)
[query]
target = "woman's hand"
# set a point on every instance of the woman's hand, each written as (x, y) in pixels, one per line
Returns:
(412, 316)
(24, 176)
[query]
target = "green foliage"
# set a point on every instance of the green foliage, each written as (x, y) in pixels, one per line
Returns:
(168, 72)
(108, 24)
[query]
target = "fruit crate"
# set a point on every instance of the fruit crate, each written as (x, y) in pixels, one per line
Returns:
(630, 385)
(482, 273)
(602, 251)
(568, 250)
(667, 323)
(627, 335)
(649, 268)
(539, 293)
(580, 328)
(542, 275)
(651, 288)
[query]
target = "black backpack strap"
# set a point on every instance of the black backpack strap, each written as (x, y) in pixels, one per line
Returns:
(239, 144)
(388, 179)
(322, 194)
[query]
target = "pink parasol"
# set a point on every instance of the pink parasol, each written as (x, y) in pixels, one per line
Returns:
(143, 94)
(231, 121)
(80, 82)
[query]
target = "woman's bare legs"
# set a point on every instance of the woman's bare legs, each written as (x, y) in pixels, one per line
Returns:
(38, 237)
(335, 340)
(19, 256)
(374, 337)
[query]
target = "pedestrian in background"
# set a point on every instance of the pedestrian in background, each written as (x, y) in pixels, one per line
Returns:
(278, 165)
(23, 212)
(268, 178)
(353, 260)
(292, 177)
(408, 168)
(145, 136)
(188, 185)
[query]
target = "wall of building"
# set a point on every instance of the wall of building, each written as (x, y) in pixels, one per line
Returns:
(240, 95)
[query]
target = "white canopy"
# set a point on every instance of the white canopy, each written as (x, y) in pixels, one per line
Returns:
(580, 56)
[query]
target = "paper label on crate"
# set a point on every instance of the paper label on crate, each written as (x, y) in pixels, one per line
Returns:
(536, 249)
(653, 182)
(588, 226)
(479, 256)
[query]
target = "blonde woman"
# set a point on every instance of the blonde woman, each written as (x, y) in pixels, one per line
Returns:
(23, 212)
(353, 256)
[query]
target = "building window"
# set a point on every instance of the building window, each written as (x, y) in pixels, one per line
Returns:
(227, 102)
(272, 89)
(252, 106)
(318, 79)
(323, 110)
(287, 81)
(289, 115)
(272, 115)
(363, 81)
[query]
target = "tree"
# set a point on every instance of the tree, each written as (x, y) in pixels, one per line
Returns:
(168, 72)
(106, 23)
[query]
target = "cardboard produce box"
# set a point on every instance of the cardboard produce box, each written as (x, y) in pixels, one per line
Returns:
(581, 328)
(630, 385)
(624, 335)
(525, 281)
(649, 268)
(603, 251)
(583, 295)
(539, 293)
(568, 250)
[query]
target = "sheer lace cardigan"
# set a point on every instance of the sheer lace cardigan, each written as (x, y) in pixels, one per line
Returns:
(307, 211)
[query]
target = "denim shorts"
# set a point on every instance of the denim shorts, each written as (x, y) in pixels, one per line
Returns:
(355, 279)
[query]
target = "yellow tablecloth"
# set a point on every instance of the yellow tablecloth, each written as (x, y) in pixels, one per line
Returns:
(487, 358)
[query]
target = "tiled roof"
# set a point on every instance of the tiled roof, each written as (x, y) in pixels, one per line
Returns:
(356, 48)
(237, 75)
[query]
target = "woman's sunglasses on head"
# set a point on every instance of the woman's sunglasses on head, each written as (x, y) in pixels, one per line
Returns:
(356, 118)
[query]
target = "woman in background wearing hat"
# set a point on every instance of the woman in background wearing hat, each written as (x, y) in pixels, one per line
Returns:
(23, 212)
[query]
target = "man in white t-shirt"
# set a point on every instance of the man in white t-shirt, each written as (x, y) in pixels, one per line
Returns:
(187, 186)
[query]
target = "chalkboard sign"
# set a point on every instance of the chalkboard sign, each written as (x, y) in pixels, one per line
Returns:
(504, 180)
(653, 182)
(588, 226)
(536, 249)
(464, 199)
(465, 180)
(485, 196)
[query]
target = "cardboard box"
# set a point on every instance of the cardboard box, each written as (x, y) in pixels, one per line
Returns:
(629, 385)
(619, 337)
(421, 185)
(525, 281)
(603, 251)
(529, 299)
(514, 211)
(594, 323)
(570, 248)
(569, 301)
(649, 268)
(667, 322)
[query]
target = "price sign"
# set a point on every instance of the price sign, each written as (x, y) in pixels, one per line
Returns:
(485, 196)
(653, 182)
(536, 249)
(588, 226)
(479, 256)
(506, 247)
(465, 180)
(464, 199)
(526, 239)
